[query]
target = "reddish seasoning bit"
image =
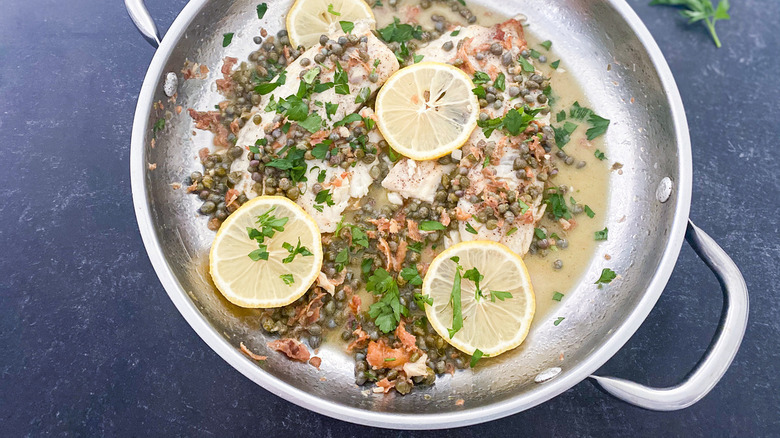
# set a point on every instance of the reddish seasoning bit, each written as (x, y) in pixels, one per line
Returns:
(292, 348)
(252, 355)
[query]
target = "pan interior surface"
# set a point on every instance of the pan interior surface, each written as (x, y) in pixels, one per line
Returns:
(648, 136)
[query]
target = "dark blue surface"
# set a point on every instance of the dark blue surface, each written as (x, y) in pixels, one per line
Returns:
(91, 345)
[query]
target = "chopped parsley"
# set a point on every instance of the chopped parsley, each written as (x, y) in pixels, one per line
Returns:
(418, 58)
(421, 300)
(598, 126)
(411, 276)
(347, 26)
(579, 112)
(341, 80)
(354, 117)
(513, 229)
(293, 161)
(330, 109)
(539, 233)
(294, 251)
(432, 226)
(555, 64)
(320, 150)
(342, 258)
(227, 38)
(600, 155)
(556, 204)
(359, 237)
(546, 44)
(527, 66)
(332, 11)
(261, 9)
(416, 247)
(312, 123)
(535, 54)
(388, 310)
(563, 133)
(561, 116)
(514, 122)
(471, 229)
(480, 77)
(558, 321)
(400, 33)
(601, 235)
(288, 279)
(159, 125)
(268, 225)
(476, 356)
(268, 87)
(363, 95)
(324, 197)
(557, 296)
(455, 33)
(500, 82)
(589, 212)
(606, 277)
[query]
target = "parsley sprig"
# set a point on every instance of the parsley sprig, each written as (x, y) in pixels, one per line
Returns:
(701, 10)
(514, 122)
(388, 310)
(294, 251)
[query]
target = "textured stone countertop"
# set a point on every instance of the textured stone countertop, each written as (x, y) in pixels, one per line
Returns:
(91, 344)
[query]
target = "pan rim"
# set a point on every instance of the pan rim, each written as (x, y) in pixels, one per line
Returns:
(521, 402)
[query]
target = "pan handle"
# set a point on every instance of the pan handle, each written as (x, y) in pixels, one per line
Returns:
(143, 21)
(720, 352)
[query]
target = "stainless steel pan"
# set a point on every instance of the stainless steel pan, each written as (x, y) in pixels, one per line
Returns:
(653, 193)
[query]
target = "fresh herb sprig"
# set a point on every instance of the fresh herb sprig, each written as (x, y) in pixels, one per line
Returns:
(388, 310)
(701, 10)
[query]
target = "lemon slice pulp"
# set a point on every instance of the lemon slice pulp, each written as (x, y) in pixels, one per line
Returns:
(272, 282)
(490, 325)
(427, 110)
(308, 19)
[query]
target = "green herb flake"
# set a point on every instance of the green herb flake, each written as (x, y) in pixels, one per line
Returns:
(539, 233)
(227, 38)
(500, 295)
(579, 112)
(363, 95)
(589, 212)
(557, 206)
(555, 64)
(261, 10)
(421, 300)
(288, 279)
(455, 33)
(320, 150)
(330, 109)
(411, 276)
(480, 77)
(359, 237)
(417, 58)
(366, 265)
(416, 247)
(313, 123)
(347, 26)
(389, 359)
(159, 125)
(600, 155)
(598, 126)
(293, 161)
(471, 229)
(557, 296)
(324, 197)
(535, 54)
(350, 118)
(546, 44)
(432, 226)
(341, 80)
(332, 11)
(476, 356)
(558, 321)
(601, 235)
(561, 116)
(388, 310)
(500, 82)
(606, 277)
(295, 250)
(511, 231)
(527, 66)
(268, 225)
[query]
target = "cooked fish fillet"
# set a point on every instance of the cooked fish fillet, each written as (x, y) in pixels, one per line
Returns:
(415, 179)
(358, 73)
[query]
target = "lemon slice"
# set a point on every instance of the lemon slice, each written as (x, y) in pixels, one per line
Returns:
(489, 324)
(265, 283)
(427, 110)
(308, 19)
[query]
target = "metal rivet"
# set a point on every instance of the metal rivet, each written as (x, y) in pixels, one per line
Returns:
(664, 190)
(171, 83)
(547, 374)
